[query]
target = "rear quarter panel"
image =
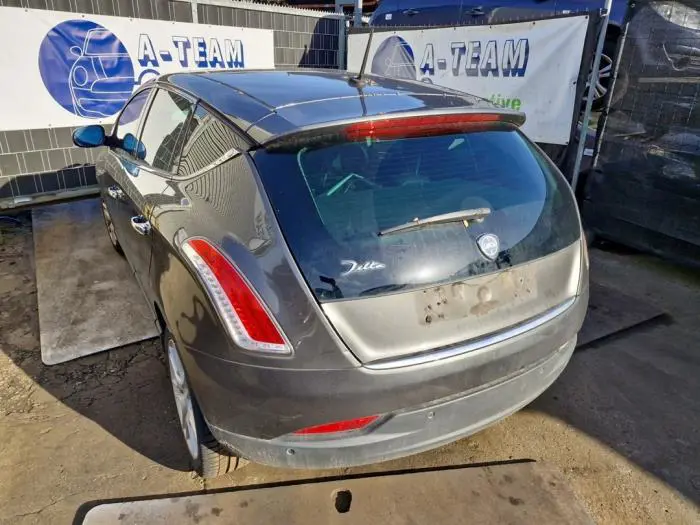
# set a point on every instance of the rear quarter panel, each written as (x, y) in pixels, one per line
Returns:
(225, 206)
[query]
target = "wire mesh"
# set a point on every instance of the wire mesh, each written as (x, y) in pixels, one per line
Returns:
(645, 189)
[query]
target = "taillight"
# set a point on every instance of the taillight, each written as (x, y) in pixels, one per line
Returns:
(339, 426)
(243, 313)
(423, 126)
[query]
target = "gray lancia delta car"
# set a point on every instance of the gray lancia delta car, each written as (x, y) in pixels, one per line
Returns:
(345, 271)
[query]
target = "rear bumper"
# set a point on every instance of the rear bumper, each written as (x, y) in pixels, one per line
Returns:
(409, 431)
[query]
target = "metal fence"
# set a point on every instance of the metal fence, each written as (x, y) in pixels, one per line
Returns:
(645, 190)
(41, 165)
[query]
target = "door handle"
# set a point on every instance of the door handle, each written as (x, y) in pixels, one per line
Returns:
(411, 12)
(477, 11)
(115, 192)
(141, 225)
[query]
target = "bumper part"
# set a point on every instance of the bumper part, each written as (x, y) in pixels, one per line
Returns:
(410, 431)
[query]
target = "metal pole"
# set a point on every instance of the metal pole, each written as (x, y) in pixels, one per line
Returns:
(195, 15)
(611, 90)
(342, 42)
(358, 13)
(589, 99)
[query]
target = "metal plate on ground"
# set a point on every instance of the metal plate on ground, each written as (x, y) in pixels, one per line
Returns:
(88, 297)
(501, 494)
(611, 311)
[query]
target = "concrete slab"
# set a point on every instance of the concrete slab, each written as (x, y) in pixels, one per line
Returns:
(507, 493)
(610, 312)
(89, 300)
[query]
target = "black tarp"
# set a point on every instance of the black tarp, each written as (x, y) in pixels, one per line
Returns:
(645, 190)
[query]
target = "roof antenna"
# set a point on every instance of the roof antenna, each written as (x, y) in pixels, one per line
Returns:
(359, 81)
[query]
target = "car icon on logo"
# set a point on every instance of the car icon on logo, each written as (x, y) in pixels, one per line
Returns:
(102, 78)
(394, 58)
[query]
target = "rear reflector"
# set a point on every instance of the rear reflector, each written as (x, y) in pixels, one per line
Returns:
(243, 313)
(339, 426)
(407, 127)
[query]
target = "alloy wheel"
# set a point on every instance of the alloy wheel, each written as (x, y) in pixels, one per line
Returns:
(604, 74)
(183, 400)
(602, 85)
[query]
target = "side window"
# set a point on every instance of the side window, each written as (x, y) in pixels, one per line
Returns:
(164, 130)
(210, 142)
(128, 122)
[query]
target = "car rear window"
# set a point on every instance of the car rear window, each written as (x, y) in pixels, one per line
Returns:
(332, 198)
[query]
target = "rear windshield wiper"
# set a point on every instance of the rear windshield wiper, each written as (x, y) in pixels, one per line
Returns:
(476, 214)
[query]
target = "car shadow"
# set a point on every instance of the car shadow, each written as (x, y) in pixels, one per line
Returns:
(126, 391)
(637, 392)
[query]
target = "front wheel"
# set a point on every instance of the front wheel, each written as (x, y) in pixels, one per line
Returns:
(209, 458)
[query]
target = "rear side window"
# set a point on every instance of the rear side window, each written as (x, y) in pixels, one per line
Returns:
(333, 199)
(128, 122)
(209, 143)
(164, 130)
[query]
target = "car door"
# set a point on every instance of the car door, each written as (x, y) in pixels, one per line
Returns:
(112, 169)
(148, 165)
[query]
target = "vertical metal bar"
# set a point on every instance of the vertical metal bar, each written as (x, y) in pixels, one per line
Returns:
(358, 13)
(195, 14)
(342, 42)
(589, 99)
(616, 71)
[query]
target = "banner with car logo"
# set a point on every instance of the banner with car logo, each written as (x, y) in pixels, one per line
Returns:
(527, 66)
(70, 69)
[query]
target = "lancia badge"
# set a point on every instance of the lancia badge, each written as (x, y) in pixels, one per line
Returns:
(489, 246)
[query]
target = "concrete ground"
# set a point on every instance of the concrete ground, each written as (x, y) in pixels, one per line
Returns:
(621, 424)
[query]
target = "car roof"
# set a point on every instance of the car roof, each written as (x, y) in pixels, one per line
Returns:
(266, 104)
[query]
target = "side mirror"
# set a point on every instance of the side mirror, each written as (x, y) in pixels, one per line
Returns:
(76, 51)
(134, 146)
(89, 136)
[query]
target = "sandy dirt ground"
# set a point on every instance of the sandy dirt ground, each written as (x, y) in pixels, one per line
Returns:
(622, 424)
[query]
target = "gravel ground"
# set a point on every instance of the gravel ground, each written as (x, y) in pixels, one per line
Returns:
(620, 424)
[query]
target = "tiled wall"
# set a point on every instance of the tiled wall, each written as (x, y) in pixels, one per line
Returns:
(43, 164)
(306, 41)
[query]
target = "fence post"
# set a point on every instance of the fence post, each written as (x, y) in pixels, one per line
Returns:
(358, 14)
(195, 15)
(342, 43)
(589, 98)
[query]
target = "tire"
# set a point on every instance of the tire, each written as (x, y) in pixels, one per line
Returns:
(209, 458)
(111, 232)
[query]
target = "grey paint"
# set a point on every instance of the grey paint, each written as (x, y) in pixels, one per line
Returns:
(316, 97)
(251, 400)
(391, 326)
(410, 431)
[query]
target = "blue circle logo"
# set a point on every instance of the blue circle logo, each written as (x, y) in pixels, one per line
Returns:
(394, 58)
(86, 69)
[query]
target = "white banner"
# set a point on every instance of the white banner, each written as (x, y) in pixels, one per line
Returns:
(69, 69)
(527, 66)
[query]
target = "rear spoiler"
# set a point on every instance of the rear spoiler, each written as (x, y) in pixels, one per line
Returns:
(401, 125)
